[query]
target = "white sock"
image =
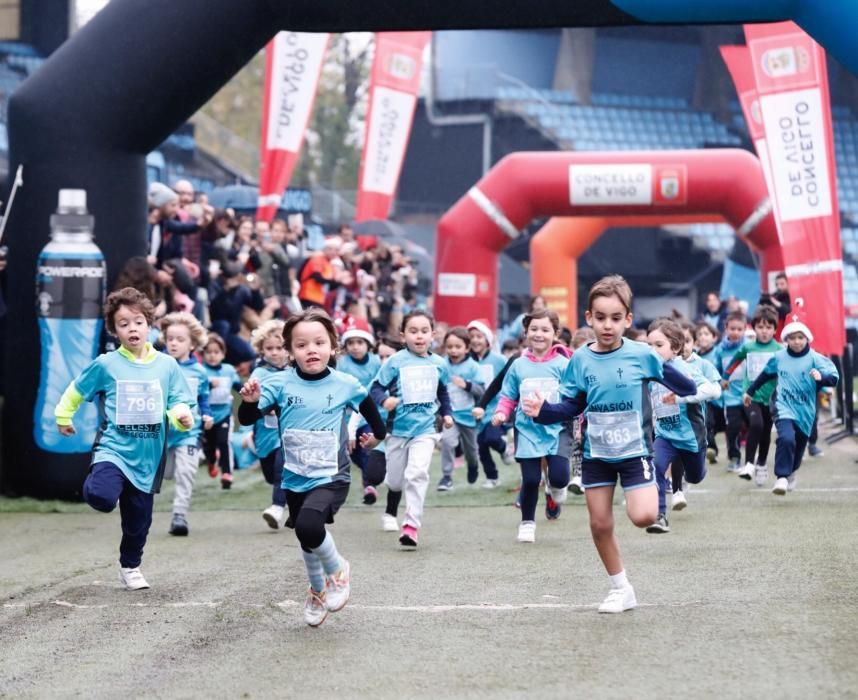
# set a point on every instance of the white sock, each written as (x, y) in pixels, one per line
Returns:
(619, 580)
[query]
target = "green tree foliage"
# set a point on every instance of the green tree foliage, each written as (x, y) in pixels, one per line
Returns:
(331, 153)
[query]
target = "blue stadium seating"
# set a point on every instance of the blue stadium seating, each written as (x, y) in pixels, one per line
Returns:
(614, 122)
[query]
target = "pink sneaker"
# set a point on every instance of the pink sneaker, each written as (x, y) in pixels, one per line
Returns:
(370, 495)
(408, 536)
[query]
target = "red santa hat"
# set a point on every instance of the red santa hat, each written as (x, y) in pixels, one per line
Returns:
(482, 325)
(358, 328)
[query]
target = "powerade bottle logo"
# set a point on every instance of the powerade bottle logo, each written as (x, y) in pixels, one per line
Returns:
(46, 272)
(70, 287)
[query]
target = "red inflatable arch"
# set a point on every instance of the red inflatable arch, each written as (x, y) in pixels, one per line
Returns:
(557, 246)
(524, 186)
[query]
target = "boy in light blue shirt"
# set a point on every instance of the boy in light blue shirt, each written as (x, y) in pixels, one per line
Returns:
(143, 391)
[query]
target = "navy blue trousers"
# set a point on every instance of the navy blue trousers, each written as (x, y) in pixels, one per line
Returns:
(531, 475)
(789, 447)
(488, 439)
(105, 485)
(272, 470)
(691, 465)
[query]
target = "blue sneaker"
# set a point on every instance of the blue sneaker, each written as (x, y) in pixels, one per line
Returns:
(446, 483)
(552, 507)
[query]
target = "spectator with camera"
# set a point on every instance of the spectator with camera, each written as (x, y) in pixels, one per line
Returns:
(165, 228)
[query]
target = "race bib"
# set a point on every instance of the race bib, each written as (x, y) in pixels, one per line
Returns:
(419, 384)
(548, 387)
(310, 453)
(139, 402)
(459, 398)
(659, 408)
(193, 385)
(755, 363)
(487, 374)
(614, 435)
(269, 420)
(220, 391)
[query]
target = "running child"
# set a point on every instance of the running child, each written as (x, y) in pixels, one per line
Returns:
(312, 404)
(712, 375)
(489, 437)
(222, 379)
(583, 336)
(361, 363)
(680, 426)
(537, 372)
(376, 470)
(267, 341)
(732, 388)
(755, 354)
(411, 387)
(705, 339)
(182, 334)
(799, 372)
(143, 391)
(465, 387)
(607, 380)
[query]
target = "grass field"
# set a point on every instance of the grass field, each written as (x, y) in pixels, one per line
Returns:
(751, 595)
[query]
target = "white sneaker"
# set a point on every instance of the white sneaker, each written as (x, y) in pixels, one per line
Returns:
(491, 483)
(526, 532)
(576, 486)
(388, 523)
(315, 610)
(791, 481)
(747, 472)
(781, 486)
(761, 475)
(559, 495)
(275, 516)
(509, 452)
(132, 579)
(619, 600)
(679, 501)
(337, 588)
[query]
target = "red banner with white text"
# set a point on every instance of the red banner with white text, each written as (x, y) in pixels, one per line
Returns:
(738, 60)
(792, 86)
(394, 83)
(293, 64)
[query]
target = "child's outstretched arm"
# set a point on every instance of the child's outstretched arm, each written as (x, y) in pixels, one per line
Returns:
(546, 413)
(446, 407)
(248, 411)
(369, 410)
(69, 403)
(678, 382)
(494, 388)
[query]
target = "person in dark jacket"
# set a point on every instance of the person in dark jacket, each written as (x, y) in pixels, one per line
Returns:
(229, 296)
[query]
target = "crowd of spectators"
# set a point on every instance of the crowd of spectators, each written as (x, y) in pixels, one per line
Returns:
(233, 272)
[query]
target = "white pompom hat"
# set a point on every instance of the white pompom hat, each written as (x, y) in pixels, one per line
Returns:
(482, 325)
(796, 327)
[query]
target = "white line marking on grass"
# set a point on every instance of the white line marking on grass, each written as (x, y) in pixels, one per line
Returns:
(287, 604)
(489, 607)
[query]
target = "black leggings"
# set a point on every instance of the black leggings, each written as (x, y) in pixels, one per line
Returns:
(759, 433)
(735, 417)
(715, 423)
(217, 438)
